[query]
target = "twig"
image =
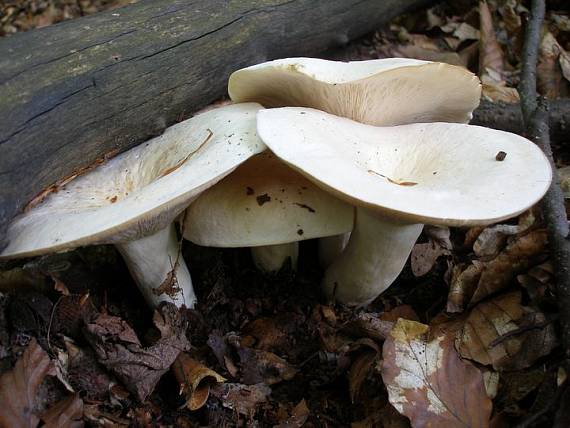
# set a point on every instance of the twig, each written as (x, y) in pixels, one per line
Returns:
(536, 121)
(535, 117)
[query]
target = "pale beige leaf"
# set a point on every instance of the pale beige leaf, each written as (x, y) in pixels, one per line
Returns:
(493, 239)
(429, 383)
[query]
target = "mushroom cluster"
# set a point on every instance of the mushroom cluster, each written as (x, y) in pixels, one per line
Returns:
(374, 149)
(390, 138)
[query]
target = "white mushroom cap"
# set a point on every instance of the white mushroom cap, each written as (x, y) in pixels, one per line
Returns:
(264, 202)
(392, 91)
(436, 173)
(142, 190)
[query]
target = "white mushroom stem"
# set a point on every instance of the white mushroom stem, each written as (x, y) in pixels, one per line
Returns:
(330, 247)
(271, 258)
(152, 260)
(375, 255)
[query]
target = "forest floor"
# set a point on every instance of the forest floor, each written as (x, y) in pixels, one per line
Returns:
(475, 308)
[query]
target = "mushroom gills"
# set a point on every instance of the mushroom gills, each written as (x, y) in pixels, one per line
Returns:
(155, 263)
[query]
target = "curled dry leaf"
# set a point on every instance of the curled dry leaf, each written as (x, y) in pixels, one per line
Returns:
(504, 334)
(491, 66)
(262, 366)
(429, 383)
(481, 279)
(359, 371)
(195, 380)
(19, 386)
(118, 348)
(66, 413)
(244, 399)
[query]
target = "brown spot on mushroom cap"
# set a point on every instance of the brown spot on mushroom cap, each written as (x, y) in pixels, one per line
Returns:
(308, 208)
(501, 156)
(249, 191)
(261, 199)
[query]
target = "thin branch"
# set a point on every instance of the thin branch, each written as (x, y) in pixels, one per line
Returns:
(535, 115)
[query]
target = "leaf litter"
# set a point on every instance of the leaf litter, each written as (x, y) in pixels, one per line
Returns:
(478, 302)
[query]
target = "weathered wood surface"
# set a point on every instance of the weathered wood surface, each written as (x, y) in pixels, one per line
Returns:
(508, 117)
(72, 92)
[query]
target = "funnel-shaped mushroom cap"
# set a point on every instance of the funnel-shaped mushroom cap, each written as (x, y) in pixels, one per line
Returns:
(264, 202)
(436, 173)
(140, 191)
(392, 91)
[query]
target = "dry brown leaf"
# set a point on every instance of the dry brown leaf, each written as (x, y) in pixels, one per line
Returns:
(359, 371)
(550, 80)
(485, 323)
(195, 380)
(498, 93)
(429, 383)
(244, 399)
(511, 17)
(482, 279)
(66, 413)
(262, 366)
(118, 348)
(368, 325)
(505, 334)
(491, 65)
(462, 31)
(299, 416)
(424, 256)
(493, 239)
(19, 386)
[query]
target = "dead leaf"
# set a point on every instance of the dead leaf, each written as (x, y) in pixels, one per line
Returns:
(19, 386)
(299, 416)
(244, 399)
(505, 334)
(85, 374)
(195, 380)
(429, 383)
(499, 93)
(424, 256)
(550, 80)
(493, 239)
(491, 65)
(263, 366)
(481, 279)
(118, 348)
(359, 371)
(66, 413)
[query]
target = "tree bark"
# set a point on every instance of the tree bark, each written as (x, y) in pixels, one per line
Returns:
(77, 91)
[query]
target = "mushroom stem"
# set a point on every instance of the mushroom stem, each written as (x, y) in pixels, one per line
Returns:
(154, 260)
(330, 247)
(376, 253)
(271, 258)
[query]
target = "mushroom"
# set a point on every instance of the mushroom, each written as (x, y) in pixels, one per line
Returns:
(269, 207)
(132, 200)
(394, 91)
(401, 177)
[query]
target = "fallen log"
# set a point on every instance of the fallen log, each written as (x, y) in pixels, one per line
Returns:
(508, 117)
(75, 92)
